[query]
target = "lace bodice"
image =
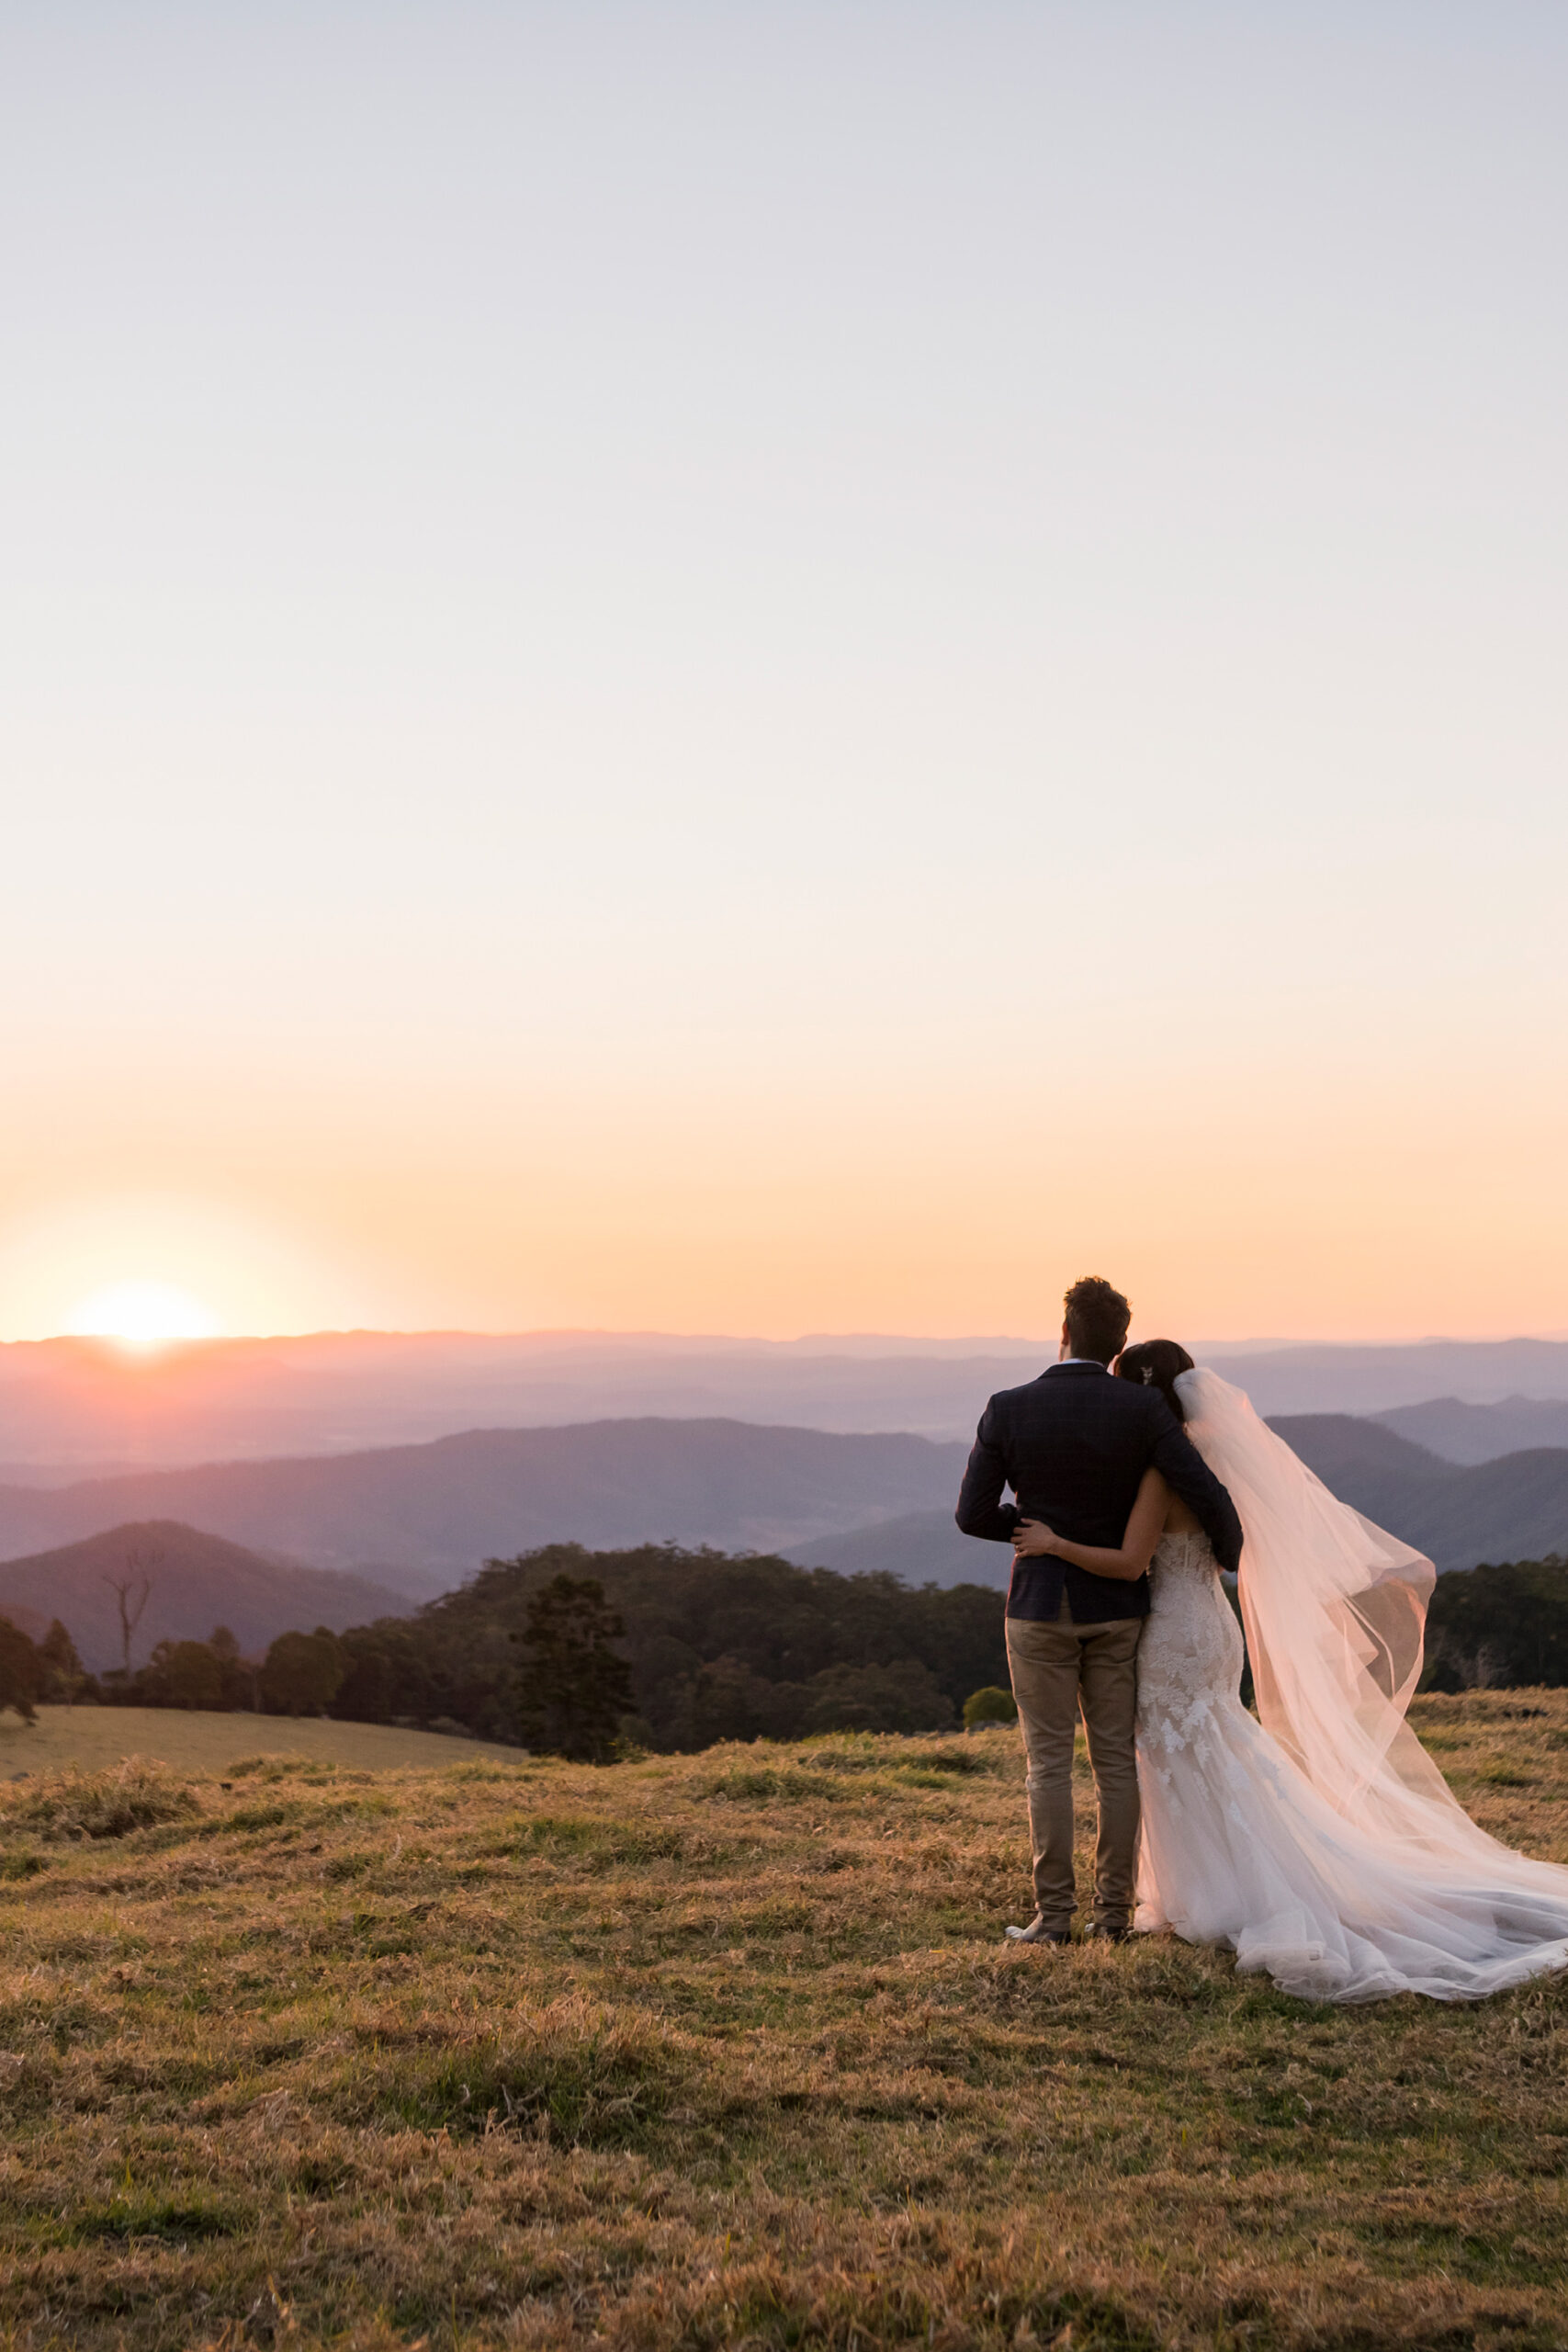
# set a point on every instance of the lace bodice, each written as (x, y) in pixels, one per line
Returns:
(1184, 1553)
(1190, 1659)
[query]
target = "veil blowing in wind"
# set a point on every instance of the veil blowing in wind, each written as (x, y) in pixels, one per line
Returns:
(1335, 1610)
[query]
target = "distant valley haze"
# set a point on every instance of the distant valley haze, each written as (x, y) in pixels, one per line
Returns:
(76, 1407)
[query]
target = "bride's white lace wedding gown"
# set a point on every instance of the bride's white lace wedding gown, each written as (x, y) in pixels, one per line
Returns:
(1325, 1851)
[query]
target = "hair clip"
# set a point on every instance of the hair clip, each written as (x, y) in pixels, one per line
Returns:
(1148, 1374)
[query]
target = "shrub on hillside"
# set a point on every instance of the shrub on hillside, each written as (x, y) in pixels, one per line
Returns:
(991, 1705)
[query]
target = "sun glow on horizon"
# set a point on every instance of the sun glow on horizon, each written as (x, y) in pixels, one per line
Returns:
(141, 1315)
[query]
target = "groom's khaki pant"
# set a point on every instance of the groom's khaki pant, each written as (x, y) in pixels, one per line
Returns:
(1057, 1667)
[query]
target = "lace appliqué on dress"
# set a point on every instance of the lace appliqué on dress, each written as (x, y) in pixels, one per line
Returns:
(1189, 1660)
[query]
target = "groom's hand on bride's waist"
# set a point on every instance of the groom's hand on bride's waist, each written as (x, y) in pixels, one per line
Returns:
(1034, 1537)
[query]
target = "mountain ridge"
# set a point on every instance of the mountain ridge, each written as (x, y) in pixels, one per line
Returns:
(1463, 1431)
(425, 1517)
(196, 1582)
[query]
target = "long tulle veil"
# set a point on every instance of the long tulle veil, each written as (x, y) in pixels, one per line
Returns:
(1334, 1611)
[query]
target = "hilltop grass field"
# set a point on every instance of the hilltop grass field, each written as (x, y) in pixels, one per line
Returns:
(86, 1739)
(726, 2049)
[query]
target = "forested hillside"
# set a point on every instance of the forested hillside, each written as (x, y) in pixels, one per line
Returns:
(720, 1647)
(1503, 1625)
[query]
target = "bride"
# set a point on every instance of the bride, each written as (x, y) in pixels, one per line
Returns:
(1320, 1843)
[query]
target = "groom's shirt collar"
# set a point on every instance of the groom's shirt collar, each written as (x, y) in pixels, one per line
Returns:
(1076, 1364)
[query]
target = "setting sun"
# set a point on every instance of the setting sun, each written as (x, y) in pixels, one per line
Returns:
(141, 1315)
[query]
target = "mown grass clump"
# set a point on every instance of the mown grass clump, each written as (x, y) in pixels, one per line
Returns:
(73, 1805)
(134, 2216)
(728, 2051)
(605, 1843)
(575, 2073)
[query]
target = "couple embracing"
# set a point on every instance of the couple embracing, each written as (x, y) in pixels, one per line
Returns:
(1316, 1839)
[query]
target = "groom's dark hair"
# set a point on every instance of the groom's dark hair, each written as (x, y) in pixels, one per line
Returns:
(1097, 1319)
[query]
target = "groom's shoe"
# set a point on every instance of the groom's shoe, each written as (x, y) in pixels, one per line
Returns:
(1097, 1934)
(1037, 1932)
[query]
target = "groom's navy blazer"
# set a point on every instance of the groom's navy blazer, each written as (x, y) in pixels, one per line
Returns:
(1074, 1445)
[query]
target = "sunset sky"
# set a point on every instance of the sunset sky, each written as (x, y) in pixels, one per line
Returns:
(772, 668)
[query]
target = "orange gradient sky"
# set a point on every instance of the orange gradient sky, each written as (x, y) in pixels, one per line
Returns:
(786, 670)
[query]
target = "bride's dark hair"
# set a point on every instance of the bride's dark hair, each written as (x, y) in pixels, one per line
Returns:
(1156, 1363)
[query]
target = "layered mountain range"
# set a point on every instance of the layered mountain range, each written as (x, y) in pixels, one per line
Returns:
(335, 1539)
(419, 1518)
(328, 1531)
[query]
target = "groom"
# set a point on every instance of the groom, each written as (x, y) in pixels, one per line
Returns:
(1074, 1445)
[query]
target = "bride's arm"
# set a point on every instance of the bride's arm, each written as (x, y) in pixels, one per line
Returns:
(1138, 1540)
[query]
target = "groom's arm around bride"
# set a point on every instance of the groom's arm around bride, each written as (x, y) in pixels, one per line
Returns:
(1074, 1456)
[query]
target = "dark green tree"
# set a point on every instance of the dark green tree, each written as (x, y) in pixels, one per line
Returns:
(62, 1676)
(303, 1672)
(402, 1668)
(239, 1675)
(574, 1685)
(183, 1674)
(19, 1671)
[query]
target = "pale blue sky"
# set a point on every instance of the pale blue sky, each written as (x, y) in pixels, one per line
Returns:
(805, 578)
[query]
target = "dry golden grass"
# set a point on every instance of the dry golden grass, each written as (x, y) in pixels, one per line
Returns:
(728, 2049)
(88, 1738)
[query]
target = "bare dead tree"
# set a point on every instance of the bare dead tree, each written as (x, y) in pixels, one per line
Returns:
(131, 1592)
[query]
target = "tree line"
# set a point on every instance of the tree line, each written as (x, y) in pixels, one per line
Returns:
(299, 1674)
(683, 1648)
